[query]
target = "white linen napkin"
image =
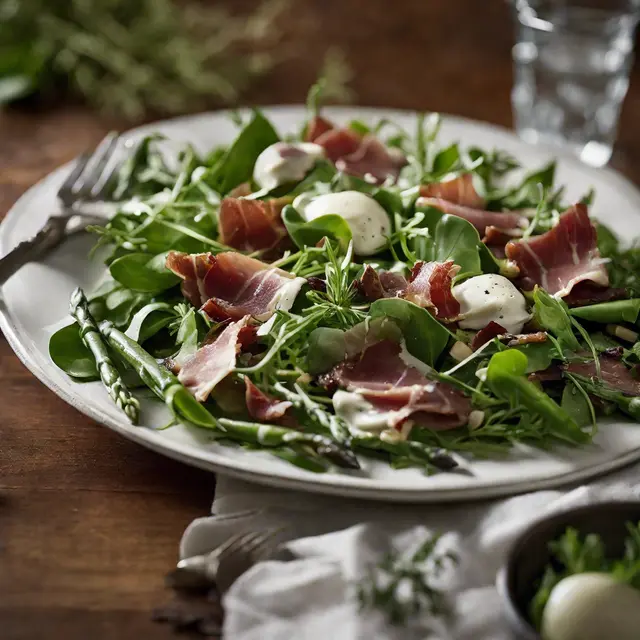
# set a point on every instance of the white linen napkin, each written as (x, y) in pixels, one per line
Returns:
(337, 540)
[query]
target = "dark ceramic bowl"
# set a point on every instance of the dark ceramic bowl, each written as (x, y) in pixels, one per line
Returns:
(527, 558)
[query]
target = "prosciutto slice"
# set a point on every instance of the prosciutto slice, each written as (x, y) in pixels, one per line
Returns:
(263, 407)
(479, 218)
(355, 154)
(231, 285)
(213, 362)
(613, 373)
(585, 293)
(563, 256)
(387, 379)
(251, 225)
(460, 190)
(430, 287)
(374, 285)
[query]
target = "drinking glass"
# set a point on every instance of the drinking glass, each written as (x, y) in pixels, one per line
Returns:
(571, 72)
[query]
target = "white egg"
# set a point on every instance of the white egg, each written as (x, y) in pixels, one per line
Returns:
(284, 162)
(369, 223)
(592, 606)
(491, 297)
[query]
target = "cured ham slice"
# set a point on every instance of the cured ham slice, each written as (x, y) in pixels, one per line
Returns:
(251, 225)
(488, 333)
(355, 154)
(563, 256)
(213, 362)
(316, 127)
(430, 287)
(585, 293)
(388, 379)
(374, 285)
(263, 407)
(479, 218)
(460, 190)
(613, 373)
(231, 285)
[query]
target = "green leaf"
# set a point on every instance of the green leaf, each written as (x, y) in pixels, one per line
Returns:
(68, 352)
(609, 312)
(236, 166)
(149, 320)
(446, 160)
(527, 193)
(608, 242)
(140, 272)
(539, 355)
(424, 336)
(576, 405)
(327, 348)
(308, 234)
(451, 238)
(553, 315)
(506, 376)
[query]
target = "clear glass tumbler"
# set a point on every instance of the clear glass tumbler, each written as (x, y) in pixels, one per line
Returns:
(571, 72)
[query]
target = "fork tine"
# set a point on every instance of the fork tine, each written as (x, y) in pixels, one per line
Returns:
(258, 540)
(72, 178)
(92, 174)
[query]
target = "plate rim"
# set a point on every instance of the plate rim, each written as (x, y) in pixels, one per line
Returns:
(20, 342)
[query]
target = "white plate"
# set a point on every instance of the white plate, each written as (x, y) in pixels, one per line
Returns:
(35, 303)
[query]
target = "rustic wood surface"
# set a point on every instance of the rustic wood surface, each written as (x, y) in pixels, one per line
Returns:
(89, 522)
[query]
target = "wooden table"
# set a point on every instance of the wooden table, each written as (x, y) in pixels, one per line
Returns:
(89, 522)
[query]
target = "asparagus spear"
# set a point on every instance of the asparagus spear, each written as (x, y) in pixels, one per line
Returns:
(268, 435)
(161, 381)
(334, 425)
(327, 423)
(79, 309)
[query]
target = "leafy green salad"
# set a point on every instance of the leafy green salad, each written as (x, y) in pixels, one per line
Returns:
(358, 291)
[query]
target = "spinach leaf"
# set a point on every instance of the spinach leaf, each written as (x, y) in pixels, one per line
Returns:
(70, 354)
(608, 312)
(144, 273)
(450, 238)
(308, 234)
(446, 160)
(506, 376)
(327, 348)
(539, 355)
(576, 405)
(553, 315)
(424, 336)
(236, 165)
(149, 320)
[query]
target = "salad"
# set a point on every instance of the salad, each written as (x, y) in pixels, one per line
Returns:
(358, 291)
(585, 594)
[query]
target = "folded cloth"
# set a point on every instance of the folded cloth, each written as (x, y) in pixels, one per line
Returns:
(336, 542)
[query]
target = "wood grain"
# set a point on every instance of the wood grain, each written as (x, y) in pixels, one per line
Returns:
(89, 522)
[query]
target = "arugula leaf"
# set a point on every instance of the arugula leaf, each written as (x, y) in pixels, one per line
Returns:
(597, 387)
(424, 336)
(69, 353)
(609, 312)
(140, 272)
(553, 315)
(446, 160)
(308, 234)
(506, 376)
(236, 166)
(527, 193)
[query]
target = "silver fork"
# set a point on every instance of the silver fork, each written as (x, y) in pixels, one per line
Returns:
(222, 566)
(86, 183)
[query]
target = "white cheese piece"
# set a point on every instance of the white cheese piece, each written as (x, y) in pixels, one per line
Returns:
(369, 223)
(592, 606)
(286, 295)
(359, 414)
(491, 297)
(284, 162)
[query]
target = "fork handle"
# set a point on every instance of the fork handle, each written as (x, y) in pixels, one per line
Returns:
(49, 237)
